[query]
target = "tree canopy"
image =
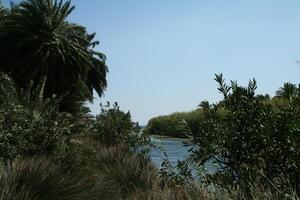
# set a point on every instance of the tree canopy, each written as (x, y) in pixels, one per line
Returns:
(39, 44)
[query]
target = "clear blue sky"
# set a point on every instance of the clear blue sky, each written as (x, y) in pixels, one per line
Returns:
(162, 54)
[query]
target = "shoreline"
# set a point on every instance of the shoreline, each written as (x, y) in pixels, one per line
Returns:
(170, 138)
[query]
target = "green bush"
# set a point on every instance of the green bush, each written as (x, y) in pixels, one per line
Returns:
(250, 138)
(180, 174)
(253, 139)
(113, 126)
(29, 124)
(26, 131)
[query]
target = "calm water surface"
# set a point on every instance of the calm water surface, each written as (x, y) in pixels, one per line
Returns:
(173, 147)
(175, 150)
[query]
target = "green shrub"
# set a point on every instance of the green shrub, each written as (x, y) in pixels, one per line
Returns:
(26, 131)
(113, 126)
(250, 137)
(180, 174)
(29, 124)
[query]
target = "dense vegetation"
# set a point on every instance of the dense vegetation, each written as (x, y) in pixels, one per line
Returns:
(174, 124)
(52, 148)
(113, 126)
(252, 138)
(39, 45)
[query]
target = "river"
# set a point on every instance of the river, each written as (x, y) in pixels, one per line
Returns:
(175, 150)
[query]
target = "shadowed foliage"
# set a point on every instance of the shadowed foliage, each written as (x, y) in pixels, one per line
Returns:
(38, 178)
(29, 124)
(38, 42)
(288, 91)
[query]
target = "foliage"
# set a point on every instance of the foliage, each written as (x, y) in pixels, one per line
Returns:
(51, 66)
(175, 175)
(92, 171)
(82, 121)
(130, 172)
(288, 91)
(3, 11)
(29, 125)
(254, 139)
(169, 125)
(37, 42)
(25, 132)
(83, 172)
(179, 192)
(113, 126)
(250, 138)
(38, 178)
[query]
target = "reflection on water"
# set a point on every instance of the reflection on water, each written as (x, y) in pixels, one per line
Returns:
(175, 150)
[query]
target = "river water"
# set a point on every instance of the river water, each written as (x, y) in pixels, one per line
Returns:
(175, 149)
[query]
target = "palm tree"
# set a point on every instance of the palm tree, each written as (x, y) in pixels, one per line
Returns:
(36, 43)
(204, 105)
(288, 91)
(12, 94)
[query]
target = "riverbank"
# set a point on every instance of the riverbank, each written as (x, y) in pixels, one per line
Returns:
(177, 124)
(165, 137)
